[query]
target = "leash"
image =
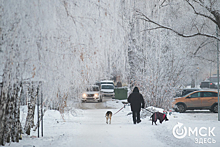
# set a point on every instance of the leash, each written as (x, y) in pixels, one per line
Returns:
(119, 110)
(147, 110)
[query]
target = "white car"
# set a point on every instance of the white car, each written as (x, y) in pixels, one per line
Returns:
(107, 90)
(92, 93)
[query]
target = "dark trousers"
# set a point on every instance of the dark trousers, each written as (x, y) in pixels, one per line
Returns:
(136, 116)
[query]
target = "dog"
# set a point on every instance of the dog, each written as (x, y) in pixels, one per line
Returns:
(160, 116)
(108, 116)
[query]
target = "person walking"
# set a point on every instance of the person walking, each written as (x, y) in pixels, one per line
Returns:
(136, 102)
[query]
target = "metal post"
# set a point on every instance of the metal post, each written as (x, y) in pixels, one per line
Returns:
(210, 73)
(218, 72)
(41, 110)
(38, 131)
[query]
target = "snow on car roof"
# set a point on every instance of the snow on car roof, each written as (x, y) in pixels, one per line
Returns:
(107, 84)
(106, 81)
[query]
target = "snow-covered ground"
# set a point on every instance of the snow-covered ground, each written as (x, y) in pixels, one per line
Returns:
(87, 128)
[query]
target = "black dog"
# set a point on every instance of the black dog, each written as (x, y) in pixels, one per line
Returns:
(160, 116)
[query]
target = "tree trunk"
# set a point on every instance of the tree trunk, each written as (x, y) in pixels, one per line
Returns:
(4, 101)
(18, 127)
(31, 110)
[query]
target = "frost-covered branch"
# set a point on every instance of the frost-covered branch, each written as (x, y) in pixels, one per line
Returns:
(210, 9)
(144, 17)
(204, 43)
(203, 15)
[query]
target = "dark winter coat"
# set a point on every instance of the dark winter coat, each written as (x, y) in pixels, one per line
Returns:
(136, 100)
(160, 116)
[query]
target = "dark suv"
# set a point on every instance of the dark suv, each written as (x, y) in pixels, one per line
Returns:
(208, 84)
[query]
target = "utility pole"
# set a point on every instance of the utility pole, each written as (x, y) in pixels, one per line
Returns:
(41, 109)
(218, 72)
(38, 115)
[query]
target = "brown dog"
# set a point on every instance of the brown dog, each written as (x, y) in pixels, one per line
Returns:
(160, 116)
(108, 116)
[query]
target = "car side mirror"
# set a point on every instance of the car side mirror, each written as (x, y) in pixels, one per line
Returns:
(188, 97)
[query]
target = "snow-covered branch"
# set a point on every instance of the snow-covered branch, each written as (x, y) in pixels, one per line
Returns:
(203, 15)
(144, 17)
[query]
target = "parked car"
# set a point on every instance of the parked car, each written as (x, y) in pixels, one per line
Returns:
(104, 82)
(107, 90)
(208, 84)
(185, 91)
(92, 93)
(204, 99)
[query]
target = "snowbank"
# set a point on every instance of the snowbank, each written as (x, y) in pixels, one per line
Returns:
(87, 127)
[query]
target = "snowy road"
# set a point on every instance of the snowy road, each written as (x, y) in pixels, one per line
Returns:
(88, 129)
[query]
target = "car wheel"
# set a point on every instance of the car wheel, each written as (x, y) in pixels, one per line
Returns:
(181, 108)
(215, 108)
(176, 110)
